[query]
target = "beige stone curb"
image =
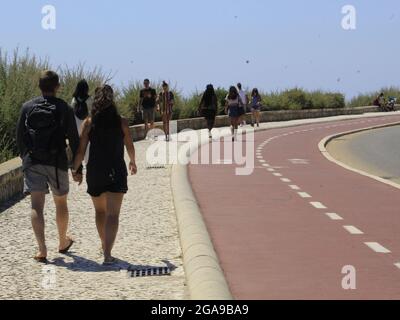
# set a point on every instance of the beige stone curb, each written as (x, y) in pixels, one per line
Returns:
(205, 278)
(324, 143)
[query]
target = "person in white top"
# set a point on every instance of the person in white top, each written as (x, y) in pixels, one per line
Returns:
(82, 106)
(245, 100)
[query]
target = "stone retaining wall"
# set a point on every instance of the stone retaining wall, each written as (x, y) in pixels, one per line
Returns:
(11, 180)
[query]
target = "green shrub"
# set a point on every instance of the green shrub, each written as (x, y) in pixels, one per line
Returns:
(363, 100)
(191, 106)
(19, 78)
(70, 77)
(298, 99)
(19, 75)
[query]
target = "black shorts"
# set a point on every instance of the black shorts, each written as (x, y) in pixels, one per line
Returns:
(208, 114)
(120, 186)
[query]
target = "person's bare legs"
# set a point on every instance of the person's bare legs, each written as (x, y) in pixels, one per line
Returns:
(253, 117)
(114, 202)
(146, 127)
(37, 218)
(62, 219)
(100, 206)
(166, 120)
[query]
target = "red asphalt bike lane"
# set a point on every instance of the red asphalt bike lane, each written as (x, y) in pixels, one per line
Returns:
(274, 244)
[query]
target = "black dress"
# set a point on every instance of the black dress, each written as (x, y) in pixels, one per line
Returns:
(106, 170)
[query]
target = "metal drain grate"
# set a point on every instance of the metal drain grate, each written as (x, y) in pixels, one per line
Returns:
(150, 272)
(160, 167)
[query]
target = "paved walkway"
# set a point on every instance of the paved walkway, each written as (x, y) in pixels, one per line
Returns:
(286, 231)
(148, 236)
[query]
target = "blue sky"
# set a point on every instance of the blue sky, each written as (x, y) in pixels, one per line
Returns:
(192, 43)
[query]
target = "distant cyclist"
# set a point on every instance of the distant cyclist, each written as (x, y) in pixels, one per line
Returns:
(380, 101)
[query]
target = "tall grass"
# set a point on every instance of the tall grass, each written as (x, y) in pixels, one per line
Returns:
(299, 99)
(367, 99)
(69, 78)
(19, 75)
(18, 83)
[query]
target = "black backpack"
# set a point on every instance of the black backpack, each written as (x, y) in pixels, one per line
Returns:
(45, 138)
(81, 109)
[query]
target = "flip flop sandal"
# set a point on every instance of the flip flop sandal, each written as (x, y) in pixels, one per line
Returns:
(110, 263)
(65, 251)
(40, 259)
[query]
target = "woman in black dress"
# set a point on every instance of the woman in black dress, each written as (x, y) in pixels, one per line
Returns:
(107, 174)
(208, 107)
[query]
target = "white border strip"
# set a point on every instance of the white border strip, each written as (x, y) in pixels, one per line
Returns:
(324, 142)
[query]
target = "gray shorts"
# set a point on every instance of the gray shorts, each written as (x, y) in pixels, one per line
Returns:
(149, 115)
(38, 178)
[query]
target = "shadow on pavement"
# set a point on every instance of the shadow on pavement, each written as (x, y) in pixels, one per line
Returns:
(11, 202)
(81, 264)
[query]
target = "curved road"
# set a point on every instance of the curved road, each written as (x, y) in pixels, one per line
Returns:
(376, 152)
(288, 230)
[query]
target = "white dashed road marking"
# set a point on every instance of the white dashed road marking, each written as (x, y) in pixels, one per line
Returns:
(353, 230)
(334, 216)
(318, 205)
(304, 195)
(377, 247)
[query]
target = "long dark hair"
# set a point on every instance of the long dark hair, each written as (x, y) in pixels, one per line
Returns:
(81, 90)
(233, 93)
(209, 96)
(255, 93)
(104, 111)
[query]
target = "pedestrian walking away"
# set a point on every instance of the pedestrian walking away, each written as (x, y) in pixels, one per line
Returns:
(233, 108)
(82, 105)
(245, 101)
(44, 125)
(106, 173)
(208, 108)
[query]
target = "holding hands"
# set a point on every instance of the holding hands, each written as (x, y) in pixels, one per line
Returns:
(78, 177)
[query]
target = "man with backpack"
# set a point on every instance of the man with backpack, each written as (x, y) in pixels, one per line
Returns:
(45, 124)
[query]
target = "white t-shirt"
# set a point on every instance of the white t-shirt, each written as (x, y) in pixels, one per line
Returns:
(79, 124)
(242, 95)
